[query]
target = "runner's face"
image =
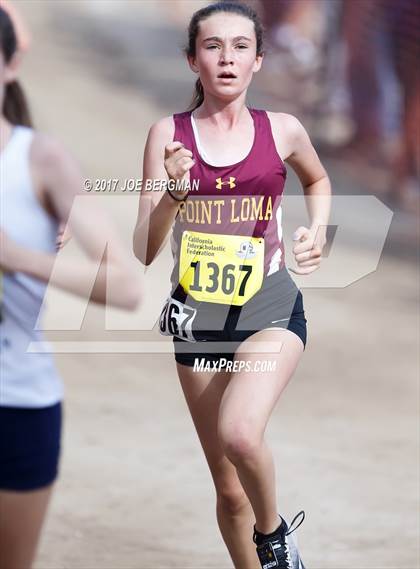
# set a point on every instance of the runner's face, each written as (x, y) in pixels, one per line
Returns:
(226, 44)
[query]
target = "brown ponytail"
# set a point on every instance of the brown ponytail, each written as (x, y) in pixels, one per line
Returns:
(15, 108)
(198, 96)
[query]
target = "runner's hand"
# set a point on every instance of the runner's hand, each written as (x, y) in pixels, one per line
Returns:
(308, 249)
(63, 236)
(178, 162)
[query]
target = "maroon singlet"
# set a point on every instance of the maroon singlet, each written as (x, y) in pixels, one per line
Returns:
(239, 199)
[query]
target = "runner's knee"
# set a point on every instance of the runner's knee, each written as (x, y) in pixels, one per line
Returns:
(239, 442)
(231, 499)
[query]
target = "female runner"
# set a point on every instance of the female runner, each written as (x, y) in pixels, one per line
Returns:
(230, 286)
(39, 181)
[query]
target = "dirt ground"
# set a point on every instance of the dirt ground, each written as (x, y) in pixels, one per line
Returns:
(134, 490)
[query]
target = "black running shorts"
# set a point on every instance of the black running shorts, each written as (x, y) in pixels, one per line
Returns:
(214, 331)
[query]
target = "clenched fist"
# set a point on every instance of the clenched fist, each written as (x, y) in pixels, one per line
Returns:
(308, 249)
(178, 163)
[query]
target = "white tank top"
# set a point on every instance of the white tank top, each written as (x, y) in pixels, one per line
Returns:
(26, 379)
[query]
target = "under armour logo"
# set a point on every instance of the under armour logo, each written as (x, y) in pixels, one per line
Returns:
(220, 183)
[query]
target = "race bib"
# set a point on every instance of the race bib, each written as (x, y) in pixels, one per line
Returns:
(176, 319)
(225, 269)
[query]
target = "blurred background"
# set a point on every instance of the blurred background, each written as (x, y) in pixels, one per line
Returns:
(135, 491)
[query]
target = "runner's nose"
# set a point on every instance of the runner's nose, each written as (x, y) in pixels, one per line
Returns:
(226, 56)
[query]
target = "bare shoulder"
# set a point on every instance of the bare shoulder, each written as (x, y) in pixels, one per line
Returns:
(288, 132)
(55, 170)
(55, 174)
(47, 152)
(163, 129)
(286, 123)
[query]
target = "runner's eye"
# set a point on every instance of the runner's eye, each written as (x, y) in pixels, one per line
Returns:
(212, 46)
(242, 46)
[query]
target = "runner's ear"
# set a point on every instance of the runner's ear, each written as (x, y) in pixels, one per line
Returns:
(192, 63)
(258, 63)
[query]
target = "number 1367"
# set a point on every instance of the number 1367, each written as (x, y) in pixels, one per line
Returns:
(226, 280)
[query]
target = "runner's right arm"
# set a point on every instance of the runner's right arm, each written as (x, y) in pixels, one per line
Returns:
(163, 160)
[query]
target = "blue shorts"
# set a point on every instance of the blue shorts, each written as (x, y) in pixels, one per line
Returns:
(29, 447)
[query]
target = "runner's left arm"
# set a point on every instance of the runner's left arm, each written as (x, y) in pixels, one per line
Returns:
(302, 157)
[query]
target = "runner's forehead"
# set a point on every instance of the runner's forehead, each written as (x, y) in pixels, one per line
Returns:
(226, 27)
